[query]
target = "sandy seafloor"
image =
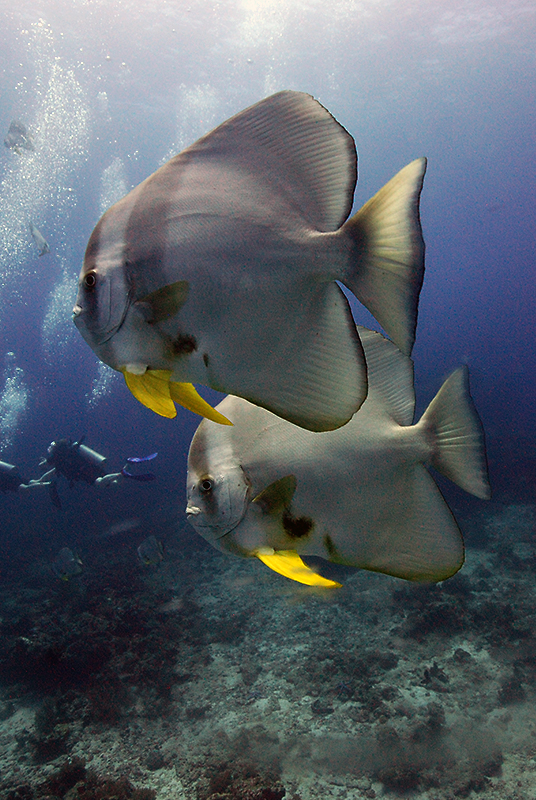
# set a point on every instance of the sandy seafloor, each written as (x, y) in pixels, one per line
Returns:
(208, 676)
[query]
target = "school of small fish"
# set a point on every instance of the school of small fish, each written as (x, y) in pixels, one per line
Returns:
(221, 269)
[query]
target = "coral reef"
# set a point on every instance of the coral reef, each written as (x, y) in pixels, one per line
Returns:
(74, 782)
(237, 781)
(209, 678)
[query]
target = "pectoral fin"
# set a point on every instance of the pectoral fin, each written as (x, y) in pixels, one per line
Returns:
(315, 376)
(289, 564)
(277, 496)
(155, 390)
(166, 302)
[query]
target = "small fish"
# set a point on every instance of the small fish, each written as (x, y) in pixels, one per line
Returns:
(67, 564)
(39, 239)
(221, 269)
(18, 137)
(150, 551)
(361, 495)
(120, 527)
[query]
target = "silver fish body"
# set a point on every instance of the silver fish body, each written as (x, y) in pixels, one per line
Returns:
(360, 495)
(150, 551)
(221, 267)
(18, 138)
(40, 241)
(67, 564)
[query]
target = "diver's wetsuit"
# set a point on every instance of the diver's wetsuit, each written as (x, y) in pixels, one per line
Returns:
(77, 462)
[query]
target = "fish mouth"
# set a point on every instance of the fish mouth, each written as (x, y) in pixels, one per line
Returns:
(209, 532)
(91, 333)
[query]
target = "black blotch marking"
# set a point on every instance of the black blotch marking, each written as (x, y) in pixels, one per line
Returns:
(183, 345)
(297, 527)
(330, 547)
(206, 359)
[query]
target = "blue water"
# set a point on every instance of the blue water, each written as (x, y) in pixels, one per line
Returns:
(110, 90)
(103, 81)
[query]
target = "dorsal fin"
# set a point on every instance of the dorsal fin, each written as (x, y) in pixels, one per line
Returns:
(294, 143)
(390, 376)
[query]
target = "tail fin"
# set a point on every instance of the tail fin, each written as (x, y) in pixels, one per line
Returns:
(459, 451)
(387, 273)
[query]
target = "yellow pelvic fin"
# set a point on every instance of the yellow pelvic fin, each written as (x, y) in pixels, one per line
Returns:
(155, 390)
(289, 564)
(152, 390)
(185, 394)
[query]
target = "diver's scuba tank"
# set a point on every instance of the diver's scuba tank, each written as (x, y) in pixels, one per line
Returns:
(10, 477)
(90, 456)
(75, 461)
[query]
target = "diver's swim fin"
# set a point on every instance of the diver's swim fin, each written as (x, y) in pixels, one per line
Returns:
(143, 476)
(139, 459)
(54, 494)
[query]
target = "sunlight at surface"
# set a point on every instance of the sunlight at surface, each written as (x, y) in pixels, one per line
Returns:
(472, 24)
(34, 186)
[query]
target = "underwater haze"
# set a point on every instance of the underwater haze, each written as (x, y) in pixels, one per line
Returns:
(144, 663)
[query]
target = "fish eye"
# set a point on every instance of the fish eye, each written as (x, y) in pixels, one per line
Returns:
(90, 280)
(206, 485)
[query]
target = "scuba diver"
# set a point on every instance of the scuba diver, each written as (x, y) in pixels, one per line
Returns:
(78, 462)
(10, 478)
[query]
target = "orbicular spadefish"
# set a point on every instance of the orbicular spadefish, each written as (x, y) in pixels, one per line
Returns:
(221, 269)
(360, 495)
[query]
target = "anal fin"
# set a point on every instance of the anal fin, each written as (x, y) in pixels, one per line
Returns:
(415, 535)
(314, 373)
